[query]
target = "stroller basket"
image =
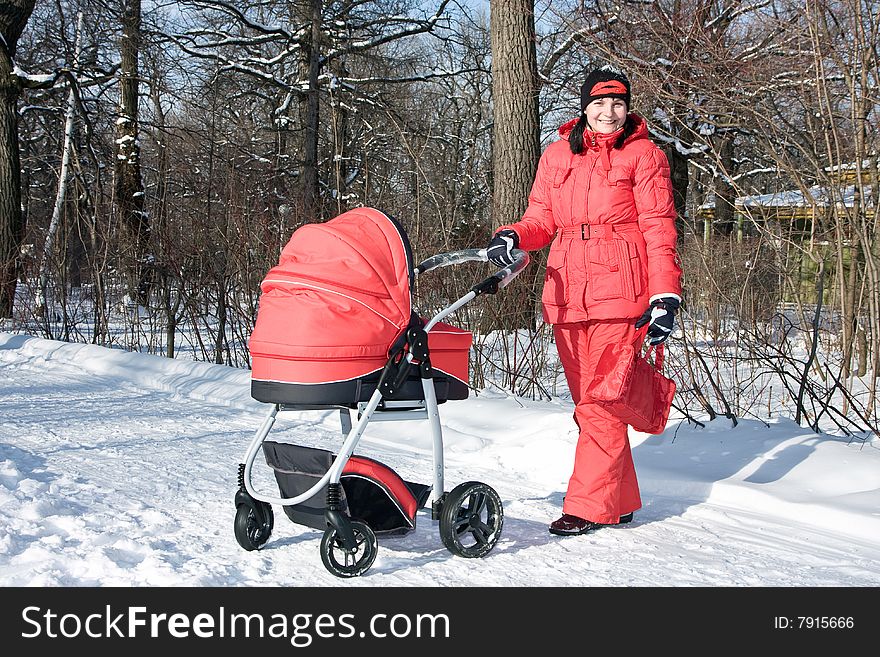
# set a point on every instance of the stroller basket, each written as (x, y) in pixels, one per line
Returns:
(372, 492)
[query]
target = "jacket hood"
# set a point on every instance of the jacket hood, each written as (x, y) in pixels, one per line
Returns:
(641, 131)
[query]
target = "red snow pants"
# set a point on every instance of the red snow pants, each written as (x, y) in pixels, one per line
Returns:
(603, 486)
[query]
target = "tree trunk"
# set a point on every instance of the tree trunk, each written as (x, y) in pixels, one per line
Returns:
(14, 15)
(725, 195)
(222, 318)
(516, 137)
(516, 132)
(58, 210)
(678, 165)
(169, 287)
(129, 184)
(340, 136)
(310, 67)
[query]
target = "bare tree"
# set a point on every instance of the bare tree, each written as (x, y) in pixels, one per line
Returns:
(516, 134)
(14, 15)
(63, 173)
(295, 50)
(309, 13)
(130, 197)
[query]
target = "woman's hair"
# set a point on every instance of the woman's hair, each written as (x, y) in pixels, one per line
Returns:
(576, 136)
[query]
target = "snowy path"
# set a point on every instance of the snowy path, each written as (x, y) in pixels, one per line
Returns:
(119, 469)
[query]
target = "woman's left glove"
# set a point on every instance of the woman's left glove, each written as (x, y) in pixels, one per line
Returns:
(660, 318)
(501, 246)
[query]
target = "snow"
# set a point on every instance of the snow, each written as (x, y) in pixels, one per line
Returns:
(795, 198)
(36, 78)
(119, 469)
(818, 195)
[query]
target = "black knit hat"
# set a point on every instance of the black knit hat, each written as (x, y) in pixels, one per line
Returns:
(605, 82)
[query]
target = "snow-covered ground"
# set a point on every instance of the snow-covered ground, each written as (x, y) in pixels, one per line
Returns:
(119, 469)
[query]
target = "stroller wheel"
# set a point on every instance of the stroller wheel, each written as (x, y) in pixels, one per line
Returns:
(349, 563)
(250, 533)
(471, 519)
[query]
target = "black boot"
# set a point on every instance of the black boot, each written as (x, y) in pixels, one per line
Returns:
(569, 525)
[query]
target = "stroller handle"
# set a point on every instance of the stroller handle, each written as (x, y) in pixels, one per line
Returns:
(490, 285)
(498, 280)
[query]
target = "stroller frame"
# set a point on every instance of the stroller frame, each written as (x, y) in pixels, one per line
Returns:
(471, 507)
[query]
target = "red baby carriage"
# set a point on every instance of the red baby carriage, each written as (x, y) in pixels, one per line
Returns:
(336, 330)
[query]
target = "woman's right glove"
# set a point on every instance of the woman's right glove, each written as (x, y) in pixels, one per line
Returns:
(501, 246)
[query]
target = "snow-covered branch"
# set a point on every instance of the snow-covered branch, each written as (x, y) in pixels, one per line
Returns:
(578, 36)
(417, 27)
(241, 17)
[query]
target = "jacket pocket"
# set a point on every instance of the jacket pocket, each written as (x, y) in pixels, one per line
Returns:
(556, 279)
(620, 179)
(610, 268)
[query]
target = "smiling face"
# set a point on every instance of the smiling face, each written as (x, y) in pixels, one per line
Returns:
(606, 115)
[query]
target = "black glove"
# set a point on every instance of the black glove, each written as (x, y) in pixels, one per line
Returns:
(660, 317)
(501, 246)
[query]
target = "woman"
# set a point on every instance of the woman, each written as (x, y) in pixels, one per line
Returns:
(603, 196)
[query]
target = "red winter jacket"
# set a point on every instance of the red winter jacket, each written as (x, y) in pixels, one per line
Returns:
(613, 218)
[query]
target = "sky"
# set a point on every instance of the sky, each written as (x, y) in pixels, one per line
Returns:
(119, 469)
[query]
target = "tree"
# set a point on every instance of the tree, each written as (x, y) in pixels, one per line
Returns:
(293, 50)
(309, 12)
(516, 128)
(14, 15)
(63, 173)
(130, 197)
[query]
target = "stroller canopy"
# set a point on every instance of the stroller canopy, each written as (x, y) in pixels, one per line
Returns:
(335, 303)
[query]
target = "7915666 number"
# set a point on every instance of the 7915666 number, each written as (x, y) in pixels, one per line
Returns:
(825, 622)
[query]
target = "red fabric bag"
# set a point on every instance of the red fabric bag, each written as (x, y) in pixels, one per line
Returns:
(631, 387)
